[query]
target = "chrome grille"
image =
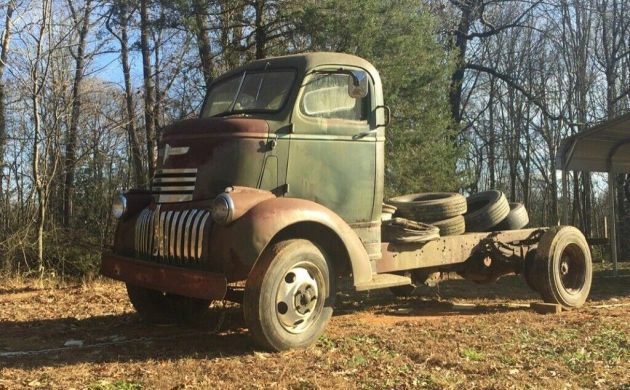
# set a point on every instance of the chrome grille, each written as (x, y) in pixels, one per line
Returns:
(174, 185)
(171, 235)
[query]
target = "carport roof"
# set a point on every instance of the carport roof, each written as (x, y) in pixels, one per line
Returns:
(604, 147)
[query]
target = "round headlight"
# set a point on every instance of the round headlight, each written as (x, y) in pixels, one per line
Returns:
(223, 209)
(119, 208)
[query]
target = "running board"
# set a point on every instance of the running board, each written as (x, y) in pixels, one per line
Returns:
(383, 281)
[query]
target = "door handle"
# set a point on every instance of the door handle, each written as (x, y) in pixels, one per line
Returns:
(364, 134)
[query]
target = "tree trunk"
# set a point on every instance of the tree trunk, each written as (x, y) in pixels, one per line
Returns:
(203, 43)
(157, 106)
(71, 143)
(492, 139)
(4, 51)
(38, 178)
(132, 135)
(261, 33)
(457, 78)
(149, 122)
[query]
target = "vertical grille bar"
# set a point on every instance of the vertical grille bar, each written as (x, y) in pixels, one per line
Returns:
(161, 235)
(187, 233)
(138, 237)
(201, 230)
(142, 231)
(155, 240)
(194, 234)
(167, 236)
(150, 234)
(147, 232)
(173, 234)
(180, 228)
(139, 233)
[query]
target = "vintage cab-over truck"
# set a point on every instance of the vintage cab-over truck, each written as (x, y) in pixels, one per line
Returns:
(279, 184)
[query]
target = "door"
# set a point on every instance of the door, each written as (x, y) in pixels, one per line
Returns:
(333, 148)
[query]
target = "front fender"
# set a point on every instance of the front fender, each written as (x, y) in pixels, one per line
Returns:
(239, 244)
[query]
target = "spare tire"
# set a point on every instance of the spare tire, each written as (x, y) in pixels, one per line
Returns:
(430, 206)
(516, 219)
(486, 210)
(451, 226)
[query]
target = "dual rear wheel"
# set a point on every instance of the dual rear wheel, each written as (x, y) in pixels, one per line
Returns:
(561, 269)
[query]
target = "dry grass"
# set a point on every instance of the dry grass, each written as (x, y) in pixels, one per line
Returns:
(374, 341)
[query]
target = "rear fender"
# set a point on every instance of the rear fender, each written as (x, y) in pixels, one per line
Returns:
(239, 244)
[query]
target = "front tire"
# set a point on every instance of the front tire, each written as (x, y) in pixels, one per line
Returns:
(289, 295)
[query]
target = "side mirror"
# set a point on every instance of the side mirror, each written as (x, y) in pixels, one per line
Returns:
(357, 84)
(388, 115)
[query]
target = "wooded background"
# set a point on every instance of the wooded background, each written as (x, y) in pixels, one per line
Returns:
(481, 92)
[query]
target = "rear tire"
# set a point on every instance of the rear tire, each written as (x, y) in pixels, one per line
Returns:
(563, 267)
(289, 295)
(156, 307)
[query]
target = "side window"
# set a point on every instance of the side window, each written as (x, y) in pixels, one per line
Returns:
(326, 96)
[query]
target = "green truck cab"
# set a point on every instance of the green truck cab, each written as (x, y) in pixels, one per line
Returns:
(279, 184)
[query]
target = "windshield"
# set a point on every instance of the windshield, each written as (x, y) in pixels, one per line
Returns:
(249, 91)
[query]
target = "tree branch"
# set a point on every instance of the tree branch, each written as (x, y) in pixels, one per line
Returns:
(512, 83)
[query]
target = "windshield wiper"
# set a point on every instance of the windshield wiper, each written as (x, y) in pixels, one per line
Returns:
(222, 113)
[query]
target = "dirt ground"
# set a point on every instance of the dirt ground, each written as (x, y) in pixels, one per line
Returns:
(88, 336)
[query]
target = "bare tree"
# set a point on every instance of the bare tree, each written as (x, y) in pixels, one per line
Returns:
(149, 94)
(4, 52)
(200, 8)
(82, 24)
(39, 69)
(121, 9)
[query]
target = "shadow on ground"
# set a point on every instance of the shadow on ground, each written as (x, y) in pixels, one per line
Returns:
(123, 337)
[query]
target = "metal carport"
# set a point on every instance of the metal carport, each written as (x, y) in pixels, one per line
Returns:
(604, 147)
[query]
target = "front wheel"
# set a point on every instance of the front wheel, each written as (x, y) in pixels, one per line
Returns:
(563, 267)
(289, 295)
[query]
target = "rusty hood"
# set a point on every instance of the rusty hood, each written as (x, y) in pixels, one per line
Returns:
(198, 158)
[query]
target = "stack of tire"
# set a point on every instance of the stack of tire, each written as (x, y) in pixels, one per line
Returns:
(454, 214)
(490, 211)
(445, 210)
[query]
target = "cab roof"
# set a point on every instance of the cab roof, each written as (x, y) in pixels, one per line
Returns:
(303, 62)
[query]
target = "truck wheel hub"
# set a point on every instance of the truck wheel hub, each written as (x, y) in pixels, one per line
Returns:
(305, 299)
(564, 267)
(296, 299)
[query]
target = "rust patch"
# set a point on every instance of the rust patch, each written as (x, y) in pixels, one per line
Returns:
(174, 280)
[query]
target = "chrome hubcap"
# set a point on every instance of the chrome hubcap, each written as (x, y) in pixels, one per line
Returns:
(297, 299)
